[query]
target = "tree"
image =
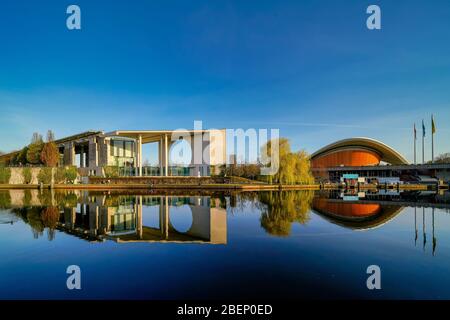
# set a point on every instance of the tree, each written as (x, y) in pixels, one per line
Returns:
(50, 154)
(294, 167)
(50, 136)
(35, 149)
(21, 157)
(36, 138)
(442, 158)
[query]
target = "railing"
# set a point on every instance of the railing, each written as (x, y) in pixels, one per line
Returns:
(150, 171)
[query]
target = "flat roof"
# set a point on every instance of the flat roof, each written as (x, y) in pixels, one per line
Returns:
(154, 135)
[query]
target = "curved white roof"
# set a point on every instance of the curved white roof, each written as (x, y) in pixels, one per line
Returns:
(387, 153)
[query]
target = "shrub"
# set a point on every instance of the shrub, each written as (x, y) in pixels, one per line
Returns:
(71, 174)
(45, 176)
(27, 175)
(60, 175)
(5, 174)
(111, 171)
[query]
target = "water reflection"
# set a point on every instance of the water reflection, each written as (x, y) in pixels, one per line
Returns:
(363, 211)
(99, 217)
(124, 218)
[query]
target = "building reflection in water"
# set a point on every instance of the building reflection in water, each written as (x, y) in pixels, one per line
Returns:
(100, 217)
(364, 211)
(97, 216)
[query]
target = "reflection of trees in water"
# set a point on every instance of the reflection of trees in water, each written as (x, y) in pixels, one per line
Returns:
(31, 216)
(50, 217)
(280, 209)
(44, 216)
(5, 199)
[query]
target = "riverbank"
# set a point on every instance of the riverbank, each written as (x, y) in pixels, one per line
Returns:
(230, 186)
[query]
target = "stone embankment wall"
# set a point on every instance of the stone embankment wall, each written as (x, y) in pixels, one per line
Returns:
(17, 176)
(160, 180)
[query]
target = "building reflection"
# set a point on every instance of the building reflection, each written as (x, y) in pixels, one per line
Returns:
(120, 218)
(364, 211)
(113, 216)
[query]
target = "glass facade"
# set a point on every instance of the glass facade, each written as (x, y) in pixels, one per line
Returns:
(122, 153)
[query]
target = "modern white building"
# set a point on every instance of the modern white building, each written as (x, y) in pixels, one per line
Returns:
(180, 152)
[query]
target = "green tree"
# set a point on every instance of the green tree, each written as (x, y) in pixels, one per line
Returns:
(294, 167)
(35, 149)
(21, 157)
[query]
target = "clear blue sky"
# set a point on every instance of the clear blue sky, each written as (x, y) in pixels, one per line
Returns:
(310, 68)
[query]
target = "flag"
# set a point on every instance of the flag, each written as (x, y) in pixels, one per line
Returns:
(415, 132)
(433, 125)
(423, 129)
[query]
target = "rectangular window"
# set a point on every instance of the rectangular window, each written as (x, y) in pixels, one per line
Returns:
(128, 149)
(118, 148)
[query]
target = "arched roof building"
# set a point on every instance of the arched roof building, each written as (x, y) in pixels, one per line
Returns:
(356, 152)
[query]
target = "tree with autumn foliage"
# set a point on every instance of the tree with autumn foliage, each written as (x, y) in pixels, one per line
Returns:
(50, 152)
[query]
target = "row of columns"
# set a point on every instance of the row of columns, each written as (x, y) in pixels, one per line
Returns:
(163, 155)
(86, 153)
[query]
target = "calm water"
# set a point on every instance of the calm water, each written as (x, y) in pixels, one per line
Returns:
(243, 245)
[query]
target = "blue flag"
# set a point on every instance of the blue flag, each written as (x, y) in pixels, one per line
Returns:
(423, 129)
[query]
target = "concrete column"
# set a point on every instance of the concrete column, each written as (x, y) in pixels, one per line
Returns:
(139, 223)
(140, 155)
(164, 217)
(93, 219)
(82, 156)
(166, 156)
(137, 150)
(160, 156)
(92, 161)
(69, 154)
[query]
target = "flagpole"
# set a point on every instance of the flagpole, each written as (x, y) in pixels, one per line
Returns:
(423, 142)
(432, 139)
(423, 149)
(415, 142)
(432, 148)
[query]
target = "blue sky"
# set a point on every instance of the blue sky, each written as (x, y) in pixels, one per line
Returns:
(310, 68)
